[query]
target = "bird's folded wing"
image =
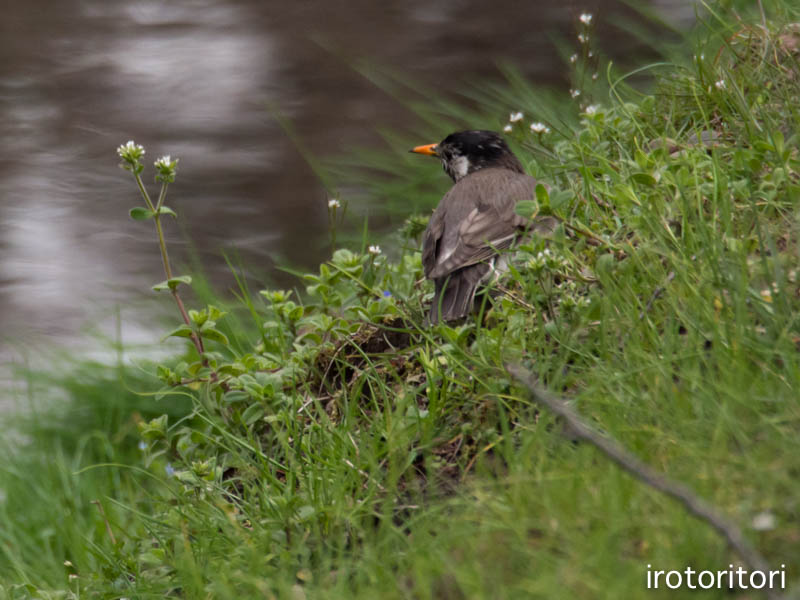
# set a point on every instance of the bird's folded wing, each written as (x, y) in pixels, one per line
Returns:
(430, 245)
(488, 227)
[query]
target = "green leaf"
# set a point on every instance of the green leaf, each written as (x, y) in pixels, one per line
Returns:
(216, 335)
(154, 429)
(214, 313)
(542, 194)
(344, 258)
(305, 512)
(643, 178)
(777, 140)
(642, 159)
(295, 313)
(252, 414)
(236, 396)
(166, 210)
(173, 283)
(277, 296)
(182, 331)
(527, 208)
(560, 199)
(140, 213)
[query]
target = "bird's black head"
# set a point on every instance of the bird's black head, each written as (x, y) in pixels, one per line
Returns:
(465, 152)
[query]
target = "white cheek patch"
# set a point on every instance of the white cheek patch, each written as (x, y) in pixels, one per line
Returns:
(460, 166)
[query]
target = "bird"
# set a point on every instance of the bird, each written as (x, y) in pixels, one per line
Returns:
(475, 220)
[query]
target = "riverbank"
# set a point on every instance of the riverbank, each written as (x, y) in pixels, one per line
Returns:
(344, 450)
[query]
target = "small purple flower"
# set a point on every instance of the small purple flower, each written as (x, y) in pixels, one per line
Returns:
(169, 470)
(142, 445)
(387, 294)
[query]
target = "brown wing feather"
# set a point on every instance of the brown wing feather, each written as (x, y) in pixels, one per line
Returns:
(475, 219)
(430, 242)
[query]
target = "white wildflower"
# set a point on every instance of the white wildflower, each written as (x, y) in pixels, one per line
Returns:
(586, 18)
(375, 250)
(516, 116)
(574, 93)
(164, 162)
(333, 203)
(583, 38)
(594, 76)
(67, 563)
(591, 109)
(573, 58)
(508, 128)
(720, 85)
(166, 169)
(72, 577)
(131, 146)
(539, 127)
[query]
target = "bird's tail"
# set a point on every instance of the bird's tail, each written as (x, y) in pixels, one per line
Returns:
(454, 294)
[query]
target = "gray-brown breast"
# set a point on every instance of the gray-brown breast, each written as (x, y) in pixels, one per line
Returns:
(474, 219)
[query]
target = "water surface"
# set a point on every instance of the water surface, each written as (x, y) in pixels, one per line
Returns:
(193, 78)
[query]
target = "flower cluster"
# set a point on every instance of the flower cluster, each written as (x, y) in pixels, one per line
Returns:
(165, 169)
(517, 117)
(546, 259)
(585, 51)
(514, 117)
(131, 154)
(539, 127)
(571, 297)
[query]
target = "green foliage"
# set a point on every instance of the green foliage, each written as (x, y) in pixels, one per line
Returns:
(173, 283)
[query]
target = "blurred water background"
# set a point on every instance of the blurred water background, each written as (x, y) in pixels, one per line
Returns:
(194, 79)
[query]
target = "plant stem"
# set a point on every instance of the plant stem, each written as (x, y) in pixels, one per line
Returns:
(163, 245)
(195, 337)
(143, 191)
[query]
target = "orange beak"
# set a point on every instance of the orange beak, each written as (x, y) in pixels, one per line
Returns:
(429, 149)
